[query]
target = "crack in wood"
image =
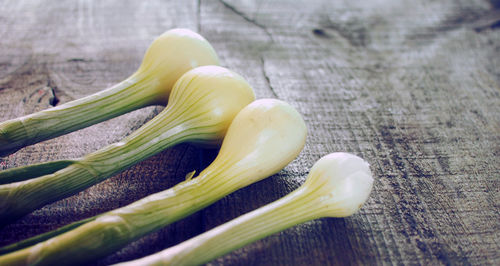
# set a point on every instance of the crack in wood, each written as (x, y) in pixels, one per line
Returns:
(266, 31)
(78, 60)
(266, 77)
(490, 20)
(354, 31)
(248, 19)
(468, 18)
(36, 82)
(53, 99)
(198, 16)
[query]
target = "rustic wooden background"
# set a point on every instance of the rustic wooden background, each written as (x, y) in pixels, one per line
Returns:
(411, 86)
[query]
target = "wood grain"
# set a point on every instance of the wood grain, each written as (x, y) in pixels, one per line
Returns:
(411, 86)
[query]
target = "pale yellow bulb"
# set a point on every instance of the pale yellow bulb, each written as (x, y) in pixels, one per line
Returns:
(262, 139)
(171, 55)
(207, 98)
(341, 182)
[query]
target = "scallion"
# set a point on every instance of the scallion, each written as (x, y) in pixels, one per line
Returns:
(169, 56)
(263, 138)
(202, 104)
(337, 186)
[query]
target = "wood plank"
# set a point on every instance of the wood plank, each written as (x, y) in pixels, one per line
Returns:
(411, 86)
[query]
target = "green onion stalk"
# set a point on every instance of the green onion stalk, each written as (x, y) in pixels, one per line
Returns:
(201, 107)
(172, 54)
(337, 186)
(263, 138)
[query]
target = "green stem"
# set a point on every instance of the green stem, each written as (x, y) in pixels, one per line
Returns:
(295, 208)
(113, 230)
(131, 94)
(42, 237)
(163, 131)
(30, 171)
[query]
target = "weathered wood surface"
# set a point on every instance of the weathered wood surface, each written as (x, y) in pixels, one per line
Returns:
(411, 86)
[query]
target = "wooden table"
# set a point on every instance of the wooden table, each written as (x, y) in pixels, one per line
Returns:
(411, 86)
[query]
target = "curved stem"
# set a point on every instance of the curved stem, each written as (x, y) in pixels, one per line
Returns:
(113, 230)
(293, 209)
(42, 237)
(31, 171)
(131, 94)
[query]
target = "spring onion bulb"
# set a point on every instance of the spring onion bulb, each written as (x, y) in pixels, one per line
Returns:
(263, 138)
(337, 186)
(201, 107)
(169, 56)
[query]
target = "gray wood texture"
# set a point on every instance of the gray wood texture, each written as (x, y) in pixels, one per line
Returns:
(411, 86)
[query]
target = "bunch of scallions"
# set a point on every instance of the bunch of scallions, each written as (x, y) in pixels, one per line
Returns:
(337, 186)
(262, 139)
(201, 107)
(171, 55)
(205, 104)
